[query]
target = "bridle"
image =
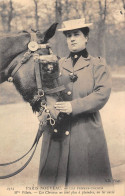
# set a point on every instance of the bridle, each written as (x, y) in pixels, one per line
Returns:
(33, 46)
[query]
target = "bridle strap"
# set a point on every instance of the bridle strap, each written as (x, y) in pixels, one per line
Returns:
(55, 90)
(38, 76)
(19, 170)
(26, 57)
(17, 65)
(12, 64)
(16, 69)
(9, 163)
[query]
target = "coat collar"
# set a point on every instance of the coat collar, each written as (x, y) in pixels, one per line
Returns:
(80, 64)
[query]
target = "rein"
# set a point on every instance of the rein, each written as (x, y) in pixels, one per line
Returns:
(39, 134)
(41, 95)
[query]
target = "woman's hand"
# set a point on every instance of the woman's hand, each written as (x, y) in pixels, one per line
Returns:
(64, 107)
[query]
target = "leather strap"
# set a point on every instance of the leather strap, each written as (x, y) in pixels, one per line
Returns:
(17, 65)
(12, 64)
(55, 90)
(9, 163)
(19, 170)
(16, 69)
(39, 134)
(38, 76)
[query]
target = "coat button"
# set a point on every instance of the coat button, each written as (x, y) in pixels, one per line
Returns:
(69, 93)
(76, 56)
(47, 111)
(55, 131)
(71, 74)
(67, 133)
(60, 74)
(10, 79)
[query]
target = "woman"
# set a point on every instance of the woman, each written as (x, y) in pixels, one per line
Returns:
(77, 154)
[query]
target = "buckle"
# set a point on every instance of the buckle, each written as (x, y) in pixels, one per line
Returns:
(41, 93)
(33, 46)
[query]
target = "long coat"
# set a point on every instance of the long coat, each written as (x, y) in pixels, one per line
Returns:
(77, 153)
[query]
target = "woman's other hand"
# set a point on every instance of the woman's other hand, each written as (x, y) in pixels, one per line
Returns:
(64, 107)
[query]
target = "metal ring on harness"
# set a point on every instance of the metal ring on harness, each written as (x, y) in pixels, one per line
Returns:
(41, 93)
(51, 120)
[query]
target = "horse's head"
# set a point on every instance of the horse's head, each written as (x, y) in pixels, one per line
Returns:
(13, 44)
(24, 70)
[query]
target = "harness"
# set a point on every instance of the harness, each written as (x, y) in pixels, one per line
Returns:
(33, 47)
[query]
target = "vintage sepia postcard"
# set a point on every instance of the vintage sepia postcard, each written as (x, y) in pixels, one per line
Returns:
(51, 131)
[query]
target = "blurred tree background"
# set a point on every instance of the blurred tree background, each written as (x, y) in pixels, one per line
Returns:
(107, 36)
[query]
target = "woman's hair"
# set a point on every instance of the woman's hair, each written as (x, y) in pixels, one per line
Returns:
(84, 30)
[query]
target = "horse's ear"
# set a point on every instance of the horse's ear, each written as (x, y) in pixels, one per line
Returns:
(50, 32)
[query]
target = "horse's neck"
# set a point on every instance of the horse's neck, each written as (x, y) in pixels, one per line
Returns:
(11, 46)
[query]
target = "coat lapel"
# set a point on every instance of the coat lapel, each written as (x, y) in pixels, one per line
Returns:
(67, 65)
(80, 64)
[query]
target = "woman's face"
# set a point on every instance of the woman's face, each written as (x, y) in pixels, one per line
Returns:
(76, 40)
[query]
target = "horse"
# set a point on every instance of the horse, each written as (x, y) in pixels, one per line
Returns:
(26, 59)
